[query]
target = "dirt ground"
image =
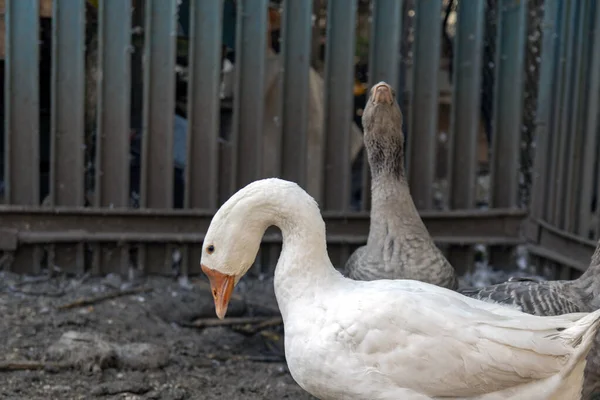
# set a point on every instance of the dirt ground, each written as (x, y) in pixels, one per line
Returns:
(137, 346)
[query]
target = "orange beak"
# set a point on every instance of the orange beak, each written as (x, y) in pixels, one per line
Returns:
(221, 286)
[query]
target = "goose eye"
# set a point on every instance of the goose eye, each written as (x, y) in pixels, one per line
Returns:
(210, 249)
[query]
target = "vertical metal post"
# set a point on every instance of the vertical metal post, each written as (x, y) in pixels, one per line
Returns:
(384, 62)
(296, 64)
(339, 79)
(425, 102)
(114, 122)
(508, 108)
(22, 101)
(202, 167)
(591, 127)
(159, 107)
(249, 97)
(68, 119)
(464, 124)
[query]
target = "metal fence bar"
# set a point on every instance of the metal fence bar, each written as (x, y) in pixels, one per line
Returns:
(21, 146)
(591, 127)
(112, 140)
(425, 102)
(249, 96)
(464, 124)
(386, 29)
(202, 166)
(384, 63)
(339, 79)
(510, 59)
(159, 105)
(564, 159)
(508, 108)
(67, 120)
(557, 135)
(575, 160)
(544, 113)
(297, 29)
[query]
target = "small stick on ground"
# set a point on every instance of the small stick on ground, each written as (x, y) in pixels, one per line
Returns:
(42, 293)
(98, 299)
(23, 365)
(267, 323)
(236, 357)
(33, 281)
(261, 321)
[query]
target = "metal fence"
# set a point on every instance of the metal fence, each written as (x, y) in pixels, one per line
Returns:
(99, 176)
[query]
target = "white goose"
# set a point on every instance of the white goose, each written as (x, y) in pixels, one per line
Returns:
(387, 339)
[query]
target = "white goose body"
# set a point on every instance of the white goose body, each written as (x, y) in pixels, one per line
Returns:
(388, 339)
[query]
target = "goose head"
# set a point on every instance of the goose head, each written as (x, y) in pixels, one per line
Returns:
(232, 243)
(382, 126)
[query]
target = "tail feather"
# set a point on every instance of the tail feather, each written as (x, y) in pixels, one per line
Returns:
(568, 382)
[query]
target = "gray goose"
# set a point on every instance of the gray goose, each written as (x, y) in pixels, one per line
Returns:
(554, 298)
(399, 245)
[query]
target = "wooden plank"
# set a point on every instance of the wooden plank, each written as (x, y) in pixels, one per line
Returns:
(22, 117)
(249, 95)
(339, 80)
(159, 106)
(202, 161)
(423, 119)
(112, 140)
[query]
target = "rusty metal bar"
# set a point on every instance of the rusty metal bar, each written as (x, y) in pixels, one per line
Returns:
(544, 114)
(249, 96)
(112, 141)
(202, 161)
(21, 133)
(384, 63)
(157, 142)
(68, 122)
(464, 124)
(297, 29)
(339, 80)
(424, 109)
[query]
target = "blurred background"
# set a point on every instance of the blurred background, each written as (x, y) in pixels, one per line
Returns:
(127, 123)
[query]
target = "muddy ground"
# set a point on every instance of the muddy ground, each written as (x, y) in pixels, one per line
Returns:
(138, 346)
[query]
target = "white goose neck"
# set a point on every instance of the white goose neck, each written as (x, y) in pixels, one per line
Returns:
(304, 261)
(303, 266)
